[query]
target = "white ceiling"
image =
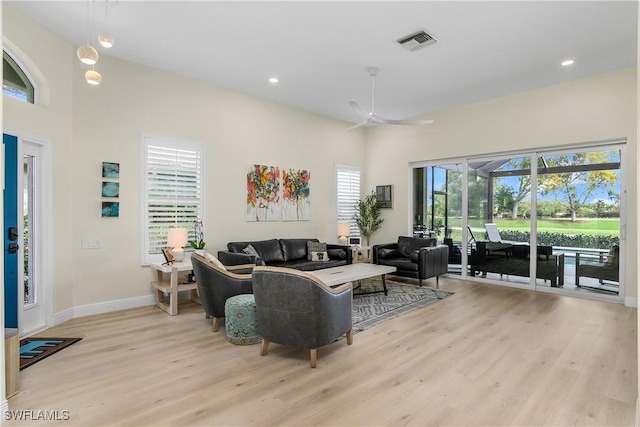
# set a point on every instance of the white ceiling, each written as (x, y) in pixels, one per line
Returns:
(320, 51)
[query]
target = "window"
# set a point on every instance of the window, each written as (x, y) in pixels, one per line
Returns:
(15, 82)
(348, 190)
(172, 191)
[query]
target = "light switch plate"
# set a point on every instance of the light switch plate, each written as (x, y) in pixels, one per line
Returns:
(91, 244)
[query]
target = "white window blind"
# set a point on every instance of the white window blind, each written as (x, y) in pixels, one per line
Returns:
(348, 190)
(173, 189)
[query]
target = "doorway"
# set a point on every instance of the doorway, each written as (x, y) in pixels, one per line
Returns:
(27, 205)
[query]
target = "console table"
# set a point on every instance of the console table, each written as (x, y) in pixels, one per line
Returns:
(169, 284)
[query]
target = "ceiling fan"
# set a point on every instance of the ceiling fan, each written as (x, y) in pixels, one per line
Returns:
(371, 117)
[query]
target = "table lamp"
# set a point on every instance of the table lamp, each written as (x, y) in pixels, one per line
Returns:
(343, 233)
(177, 240)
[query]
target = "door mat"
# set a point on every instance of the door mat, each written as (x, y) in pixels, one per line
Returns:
(35, 349)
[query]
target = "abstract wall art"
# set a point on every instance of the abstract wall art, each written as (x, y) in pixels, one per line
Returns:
(263, 193)
(296, 205)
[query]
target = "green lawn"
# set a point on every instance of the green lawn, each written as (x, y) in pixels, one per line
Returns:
(589, 226)
(606, 226)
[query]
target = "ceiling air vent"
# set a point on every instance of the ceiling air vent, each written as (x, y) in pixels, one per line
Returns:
(417, 40)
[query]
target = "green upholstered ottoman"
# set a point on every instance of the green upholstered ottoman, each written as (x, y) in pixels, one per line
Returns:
(240, 320)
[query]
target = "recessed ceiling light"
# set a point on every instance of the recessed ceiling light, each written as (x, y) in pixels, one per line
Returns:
(567, 62)
(273, 80)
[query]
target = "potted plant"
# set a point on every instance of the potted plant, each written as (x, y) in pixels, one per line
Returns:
(368, 216)
(198, 243)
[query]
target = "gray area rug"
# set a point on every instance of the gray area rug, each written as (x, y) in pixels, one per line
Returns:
(373, 309)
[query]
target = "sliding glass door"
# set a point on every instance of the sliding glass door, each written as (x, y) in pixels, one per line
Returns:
(578, 220)
(541, 220)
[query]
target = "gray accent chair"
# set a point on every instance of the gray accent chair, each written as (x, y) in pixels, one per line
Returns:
(216, 285)
(297, 309)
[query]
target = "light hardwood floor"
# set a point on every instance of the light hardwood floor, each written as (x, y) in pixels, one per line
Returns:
(487, 355)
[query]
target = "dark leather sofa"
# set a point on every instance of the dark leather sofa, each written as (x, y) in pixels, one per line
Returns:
(414, 257)
(290, 253)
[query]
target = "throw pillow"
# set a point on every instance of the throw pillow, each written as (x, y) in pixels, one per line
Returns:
(215, 261)
(319, 256)
(315, 247)
(250, 250)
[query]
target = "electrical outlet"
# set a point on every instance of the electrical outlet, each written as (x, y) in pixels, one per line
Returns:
(91, 244)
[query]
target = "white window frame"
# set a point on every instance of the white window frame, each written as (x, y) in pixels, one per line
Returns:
(190, 151)
(348, 192)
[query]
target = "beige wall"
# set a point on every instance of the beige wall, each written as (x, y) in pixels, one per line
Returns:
(51, 66)
(599, 108)
(89, 125)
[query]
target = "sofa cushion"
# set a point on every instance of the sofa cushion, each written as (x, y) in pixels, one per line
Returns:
(315, 247)
(293, 249)
(269, 250)
(406, 245)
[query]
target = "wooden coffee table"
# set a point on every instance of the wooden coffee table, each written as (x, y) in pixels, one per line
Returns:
(353, 273)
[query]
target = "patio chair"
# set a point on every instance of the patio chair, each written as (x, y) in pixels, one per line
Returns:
(607, 268)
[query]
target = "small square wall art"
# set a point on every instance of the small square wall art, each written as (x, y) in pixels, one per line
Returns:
(110, 209)
(110, 189)
(110, 170)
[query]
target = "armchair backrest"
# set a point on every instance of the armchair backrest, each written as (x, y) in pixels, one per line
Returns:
(216, 285)
(296, 308)
(614, 256)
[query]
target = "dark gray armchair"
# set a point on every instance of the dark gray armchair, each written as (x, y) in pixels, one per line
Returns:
(415, 257)
(297, 309)
(217, 284)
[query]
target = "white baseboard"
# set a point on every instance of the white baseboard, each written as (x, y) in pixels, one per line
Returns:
(102, 307)
(631, 302)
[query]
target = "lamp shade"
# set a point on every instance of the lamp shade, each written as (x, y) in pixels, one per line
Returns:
(343, 229)
(93, 77)
(87, 55)
(106, 40)
(177, 238)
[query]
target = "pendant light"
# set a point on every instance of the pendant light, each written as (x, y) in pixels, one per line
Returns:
(106, 39)
(87, 53)
(93, 77)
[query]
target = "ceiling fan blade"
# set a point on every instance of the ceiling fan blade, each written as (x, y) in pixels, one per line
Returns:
(362, 123)
(359, 109)
(405, 122)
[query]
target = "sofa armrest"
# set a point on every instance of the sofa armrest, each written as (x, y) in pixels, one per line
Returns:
(376, 248)
(347, 253)
(235, 258)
